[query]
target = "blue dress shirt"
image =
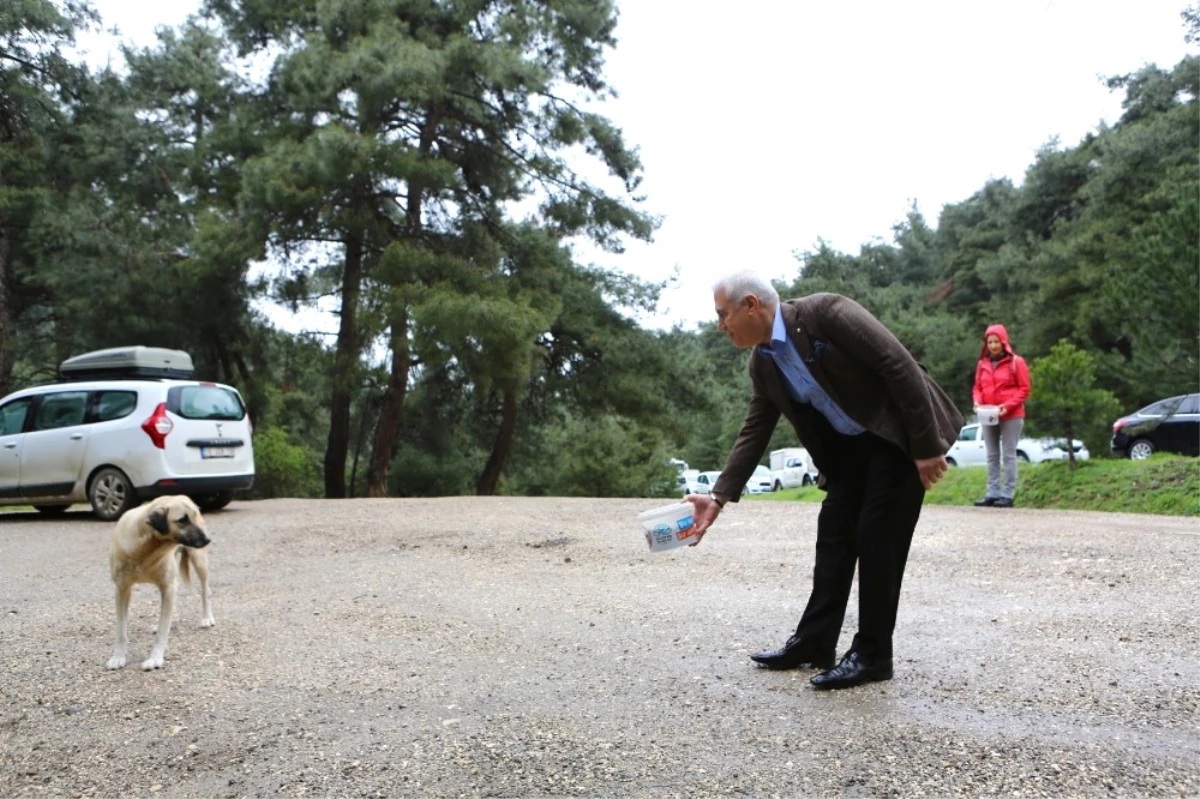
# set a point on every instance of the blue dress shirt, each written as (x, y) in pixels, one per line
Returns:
(801, 385)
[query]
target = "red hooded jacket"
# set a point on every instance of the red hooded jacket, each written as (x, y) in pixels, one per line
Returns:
(1005, 382)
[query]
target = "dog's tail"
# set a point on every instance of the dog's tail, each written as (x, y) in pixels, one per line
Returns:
(185, 564)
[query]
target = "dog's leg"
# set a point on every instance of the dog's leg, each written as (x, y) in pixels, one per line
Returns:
(124, 591)
(158, 652)
(200, 564)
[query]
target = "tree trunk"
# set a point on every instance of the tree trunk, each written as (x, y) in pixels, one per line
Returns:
(244, 380)
(345, 361)
(358, 447)
(5, 321)
(391, 411)
(1070, 447)
(391, 408)
(501, 447)
(224, 359)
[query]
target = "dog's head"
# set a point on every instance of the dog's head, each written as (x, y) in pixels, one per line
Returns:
(178, 519)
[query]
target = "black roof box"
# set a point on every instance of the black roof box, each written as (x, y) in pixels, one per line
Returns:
(128, 362)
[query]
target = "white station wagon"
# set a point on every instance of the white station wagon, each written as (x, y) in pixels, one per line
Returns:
(970, 450)
(123, 427)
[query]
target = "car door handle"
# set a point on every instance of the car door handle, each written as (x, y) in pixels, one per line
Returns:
(76, 436)
(10, 445)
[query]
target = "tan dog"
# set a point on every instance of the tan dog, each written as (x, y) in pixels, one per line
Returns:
(154, 543)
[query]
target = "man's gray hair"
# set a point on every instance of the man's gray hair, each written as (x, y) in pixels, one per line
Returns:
(737, 285)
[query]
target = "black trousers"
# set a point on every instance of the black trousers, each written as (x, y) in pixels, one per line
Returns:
(873, 500)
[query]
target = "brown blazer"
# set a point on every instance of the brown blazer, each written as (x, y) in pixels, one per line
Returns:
(865, 370)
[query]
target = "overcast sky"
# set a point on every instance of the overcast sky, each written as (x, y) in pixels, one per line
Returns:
(764, 126)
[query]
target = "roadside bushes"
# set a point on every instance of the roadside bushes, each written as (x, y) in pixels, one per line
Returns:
(282, 469)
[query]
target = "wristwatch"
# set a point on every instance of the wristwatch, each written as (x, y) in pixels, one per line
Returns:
(720, 502)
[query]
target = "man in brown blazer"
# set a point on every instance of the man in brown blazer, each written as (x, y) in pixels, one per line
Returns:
(877, 427)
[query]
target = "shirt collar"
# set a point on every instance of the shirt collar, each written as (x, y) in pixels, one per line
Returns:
(778, 330)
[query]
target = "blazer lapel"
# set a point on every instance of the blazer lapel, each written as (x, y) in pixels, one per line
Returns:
(769, 380)
(811, 352)
(796, 332)
(772, 380)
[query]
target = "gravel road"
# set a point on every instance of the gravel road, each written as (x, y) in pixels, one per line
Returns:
(534, 647)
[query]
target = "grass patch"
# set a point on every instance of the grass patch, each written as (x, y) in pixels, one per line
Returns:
(810, 494)
(1167, 485)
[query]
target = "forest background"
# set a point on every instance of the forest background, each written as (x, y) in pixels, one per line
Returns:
(426, 165)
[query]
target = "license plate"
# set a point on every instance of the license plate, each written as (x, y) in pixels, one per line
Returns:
(216, 452)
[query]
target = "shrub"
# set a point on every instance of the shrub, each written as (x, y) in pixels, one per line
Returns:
(283, 469)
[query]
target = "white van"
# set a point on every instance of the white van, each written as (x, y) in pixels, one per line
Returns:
(792, 467)
(123, 427)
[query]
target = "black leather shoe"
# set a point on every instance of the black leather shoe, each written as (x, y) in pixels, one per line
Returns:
(793, 655)
(852, 671)
(1003, 502)
(986, 502)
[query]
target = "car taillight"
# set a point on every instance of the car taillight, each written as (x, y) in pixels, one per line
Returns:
(1117, 425)
(159, 426)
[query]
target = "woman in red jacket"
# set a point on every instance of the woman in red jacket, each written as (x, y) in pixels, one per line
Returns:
(1001, 379)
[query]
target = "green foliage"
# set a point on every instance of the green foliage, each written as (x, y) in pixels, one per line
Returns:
(601, 457)
(282, 469)
(806, 494)
(417, 473)
(395, 140)
(1163, 484)
(1155, 302)
(37, 86)
(402, 137)
(1066, 403)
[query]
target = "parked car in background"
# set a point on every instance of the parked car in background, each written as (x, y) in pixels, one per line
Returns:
(759, 482)
(792, 467)
(1169, 425)
(702, 482)
(969, 449)
(120, 428)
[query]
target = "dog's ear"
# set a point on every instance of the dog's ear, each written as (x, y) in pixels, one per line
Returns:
(157, 519)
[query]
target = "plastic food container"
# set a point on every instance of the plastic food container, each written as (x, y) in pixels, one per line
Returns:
(668, 527)
(989, 415)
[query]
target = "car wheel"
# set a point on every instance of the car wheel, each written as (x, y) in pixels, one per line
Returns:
(213, 501)
(1140, 450)
(805, 481)
(1022, 457)
(778, 486)
(51, 510)
(951, 461)
(111, 494)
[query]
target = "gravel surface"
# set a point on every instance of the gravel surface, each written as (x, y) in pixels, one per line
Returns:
(534, 647)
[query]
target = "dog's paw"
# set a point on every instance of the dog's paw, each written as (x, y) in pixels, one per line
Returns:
(117, 661)
(208, 621)
(155, 661)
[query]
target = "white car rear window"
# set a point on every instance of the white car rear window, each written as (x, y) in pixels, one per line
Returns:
(210, 402)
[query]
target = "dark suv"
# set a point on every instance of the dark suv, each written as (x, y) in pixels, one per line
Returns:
(1169, 425)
